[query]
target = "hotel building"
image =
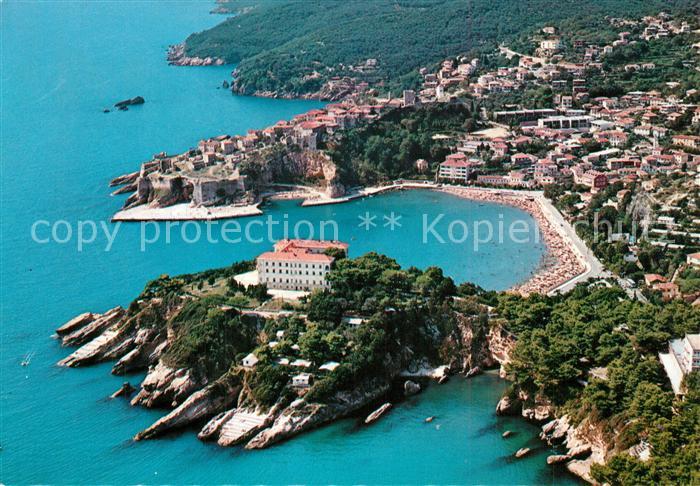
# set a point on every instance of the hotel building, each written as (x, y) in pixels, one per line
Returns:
(297, 264)
(455, 168)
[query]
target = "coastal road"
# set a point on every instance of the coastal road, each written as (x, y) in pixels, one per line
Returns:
(594, 268)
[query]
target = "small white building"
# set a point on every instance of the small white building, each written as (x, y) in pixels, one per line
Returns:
(683, 357)
(301, 363)
(329, 366)
(693, 259)
(250, 361)
(302, 380)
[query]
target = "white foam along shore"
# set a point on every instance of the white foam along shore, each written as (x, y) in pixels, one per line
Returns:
(183, 211)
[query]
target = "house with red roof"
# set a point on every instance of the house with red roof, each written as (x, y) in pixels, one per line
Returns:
(297, 264)
(455, 168)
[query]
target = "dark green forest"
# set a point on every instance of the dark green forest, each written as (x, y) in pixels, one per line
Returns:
(279, 45)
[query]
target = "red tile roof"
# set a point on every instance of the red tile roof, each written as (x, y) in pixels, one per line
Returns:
(284, 245)
(302, 256)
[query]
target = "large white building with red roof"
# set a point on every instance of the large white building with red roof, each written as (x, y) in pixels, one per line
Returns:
(297, 264)
(455, 168)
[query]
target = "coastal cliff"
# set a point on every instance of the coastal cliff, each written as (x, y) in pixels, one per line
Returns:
(330, 90)
(166, 181)
(253, 378)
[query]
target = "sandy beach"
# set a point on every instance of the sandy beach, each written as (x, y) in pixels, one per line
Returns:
(567, 261)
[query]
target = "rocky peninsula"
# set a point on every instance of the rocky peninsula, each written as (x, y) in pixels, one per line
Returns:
(257, 377)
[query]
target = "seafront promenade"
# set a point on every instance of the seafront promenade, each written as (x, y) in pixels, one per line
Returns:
(185, 212)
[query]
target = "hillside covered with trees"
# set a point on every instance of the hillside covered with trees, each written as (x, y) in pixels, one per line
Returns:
(294, 46)
(388, 148)
(563, 341)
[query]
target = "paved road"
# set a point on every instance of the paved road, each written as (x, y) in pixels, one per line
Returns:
(594, 268)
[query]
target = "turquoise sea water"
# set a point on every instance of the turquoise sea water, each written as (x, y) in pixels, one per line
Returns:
(62, 63)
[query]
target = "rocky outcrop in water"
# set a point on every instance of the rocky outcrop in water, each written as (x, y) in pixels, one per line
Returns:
(585, 444)
(124, 391)
(301, 416)
(522, 452)
(201, 404)
(176, 56)
(125, 189)
(508, 406)
(125, 104)
(378, 413)
(238, 425)
(166, 387)
(87, 326)
(124, 179)
(148, 345)
(76, 323)
(411, 388)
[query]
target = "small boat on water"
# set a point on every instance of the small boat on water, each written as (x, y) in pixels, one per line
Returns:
(27, 359)
(430, 419)
(374, 416)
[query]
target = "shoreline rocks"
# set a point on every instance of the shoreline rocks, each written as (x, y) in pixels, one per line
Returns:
(585, 445)
(301, 416)
(166, 387)
(125, 179)
(76, 323)
(125, 391)
(557, 459)
(176, 57)
(86, 329)
(411, 388)
(508, 406)
(242, 425)
(201, 404)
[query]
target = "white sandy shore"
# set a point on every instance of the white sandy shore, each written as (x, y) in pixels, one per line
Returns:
(183, 211)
